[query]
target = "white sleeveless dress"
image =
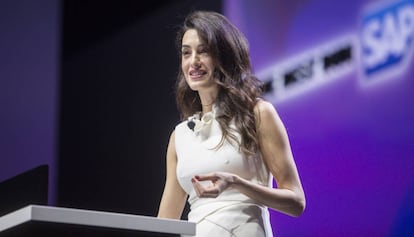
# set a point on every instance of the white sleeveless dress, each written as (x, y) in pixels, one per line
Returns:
(232, 213)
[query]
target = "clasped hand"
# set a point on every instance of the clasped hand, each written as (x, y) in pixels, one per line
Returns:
(220, 182)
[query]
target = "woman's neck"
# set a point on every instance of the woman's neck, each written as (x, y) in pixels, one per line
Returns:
(207, 100)
(206, 108)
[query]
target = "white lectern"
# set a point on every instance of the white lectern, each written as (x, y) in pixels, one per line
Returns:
(37, 220)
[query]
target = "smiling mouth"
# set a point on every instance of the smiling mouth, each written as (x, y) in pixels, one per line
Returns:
(195, 74)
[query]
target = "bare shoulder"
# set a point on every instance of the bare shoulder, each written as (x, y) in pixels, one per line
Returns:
(171, 145)
(172, 136)
(263, 105)
(268, 122)
(265, 111)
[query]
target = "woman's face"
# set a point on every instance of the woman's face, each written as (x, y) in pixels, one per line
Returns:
(196, 62)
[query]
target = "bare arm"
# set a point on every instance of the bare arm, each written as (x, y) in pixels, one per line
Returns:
(288, 197)
(174, 197)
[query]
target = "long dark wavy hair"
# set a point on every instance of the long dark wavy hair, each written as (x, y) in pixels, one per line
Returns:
(239, 89)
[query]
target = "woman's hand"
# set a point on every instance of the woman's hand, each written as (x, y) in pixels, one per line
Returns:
(220, 182)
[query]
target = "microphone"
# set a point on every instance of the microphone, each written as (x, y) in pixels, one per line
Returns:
(191, 125)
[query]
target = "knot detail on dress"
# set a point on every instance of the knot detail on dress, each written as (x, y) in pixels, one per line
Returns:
(202, 126)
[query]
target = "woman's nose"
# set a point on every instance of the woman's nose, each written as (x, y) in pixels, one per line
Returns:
(195, 61)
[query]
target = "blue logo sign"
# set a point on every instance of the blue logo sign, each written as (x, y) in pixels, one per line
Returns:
(386, 39)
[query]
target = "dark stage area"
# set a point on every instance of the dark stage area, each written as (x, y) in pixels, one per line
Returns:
(117, 106)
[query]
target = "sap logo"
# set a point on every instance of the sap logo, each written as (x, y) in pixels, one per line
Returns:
(386, 39)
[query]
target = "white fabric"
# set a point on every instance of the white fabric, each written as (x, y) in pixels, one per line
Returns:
(231, 212)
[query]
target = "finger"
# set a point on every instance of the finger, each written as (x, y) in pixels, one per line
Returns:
(211, 191)
(207, 192)
(209, 195)
(196, 186)
(204, 177)
(199, 188)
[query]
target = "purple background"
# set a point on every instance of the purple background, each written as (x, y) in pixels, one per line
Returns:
(353, 145)
(29, 67)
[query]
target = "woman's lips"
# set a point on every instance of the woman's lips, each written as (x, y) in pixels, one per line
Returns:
(197, 74)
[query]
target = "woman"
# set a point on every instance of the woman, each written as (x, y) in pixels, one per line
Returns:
(223, 155)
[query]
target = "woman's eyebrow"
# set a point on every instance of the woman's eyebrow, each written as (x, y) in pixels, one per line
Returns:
(188, 46)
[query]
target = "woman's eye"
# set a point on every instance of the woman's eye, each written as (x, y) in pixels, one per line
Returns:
(203, 51)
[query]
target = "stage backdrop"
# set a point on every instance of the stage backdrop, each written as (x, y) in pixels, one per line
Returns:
(29, 72)
(340, 74)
